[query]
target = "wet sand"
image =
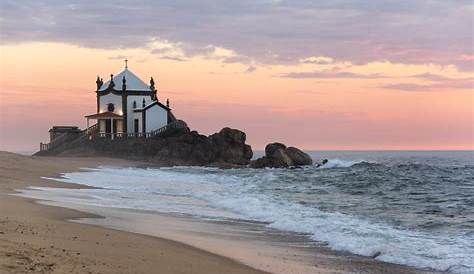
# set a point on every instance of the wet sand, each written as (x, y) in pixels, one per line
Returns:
(37, 238)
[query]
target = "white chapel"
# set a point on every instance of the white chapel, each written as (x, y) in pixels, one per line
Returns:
(127, 106)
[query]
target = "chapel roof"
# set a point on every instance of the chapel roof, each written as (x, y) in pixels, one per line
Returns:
(133, 82)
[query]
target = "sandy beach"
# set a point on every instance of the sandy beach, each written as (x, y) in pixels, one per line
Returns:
(37, 238)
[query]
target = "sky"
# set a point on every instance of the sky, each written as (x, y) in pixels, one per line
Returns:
(319, 75)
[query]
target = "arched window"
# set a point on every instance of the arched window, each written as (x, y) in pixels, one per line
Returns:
(110, 107)
(143, 103)
(134, 104)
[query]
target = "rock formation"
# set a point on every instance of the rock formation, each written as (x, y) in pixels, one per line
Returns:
(278, 155)
(178, 146)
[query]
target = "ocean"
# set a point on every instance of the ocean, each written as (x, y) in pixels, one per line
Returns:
(409, 208)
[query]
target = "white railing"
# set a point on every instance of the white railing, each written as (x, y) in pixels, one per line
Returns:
(93, 132)
(155, 133)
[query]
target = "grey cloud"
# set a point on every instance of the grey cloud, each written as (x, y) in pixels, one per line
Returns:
(173, 58)
(319, 62)
(330, 75)
(251, 69)
(431, 77)
(236, 59)
(424, 31)
(118, 57)
(160, 50)
(439, 85)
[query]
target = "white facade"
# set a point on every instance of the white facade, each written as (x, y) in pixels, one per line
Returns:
(139, 101)
(156, 117)
(141, 106)
(111, 98)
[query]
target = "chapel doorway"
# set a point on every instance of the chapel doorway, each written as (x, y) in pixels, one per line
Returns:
(108, 128)
(109, 124)
(135, 126)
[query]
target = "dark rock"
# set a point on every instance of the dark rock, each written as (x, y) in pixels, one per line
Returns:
(175, 146)
(176, 131)
(323, 162)
(299, 157)
(229, 146)
(281, 159)
(231, 135)
(277, 155)
(260, 162)
(271, 148)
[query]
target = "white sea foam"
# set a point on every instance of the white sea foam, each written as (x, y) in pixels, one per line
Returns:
(335, 163)
(214, 193)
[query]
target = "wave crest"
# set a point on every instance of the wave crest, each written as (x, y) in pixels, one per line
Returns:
(338, 163)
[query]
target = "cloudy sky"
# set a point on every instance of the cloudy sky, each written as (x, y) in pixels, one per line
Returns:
(317, 74)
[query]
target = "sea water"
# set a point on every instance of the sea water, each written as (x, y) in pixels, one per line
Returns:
(410, 208)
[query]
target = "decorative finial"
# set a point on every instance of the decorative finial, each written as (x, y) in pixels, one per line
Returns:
(124, 86)
(168, 102)
(126, 63)
(152, 83)
(111, 84)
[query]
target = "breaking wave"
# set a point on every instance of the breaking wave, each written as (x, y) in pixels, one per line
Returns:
(433, 221)
(338, 163)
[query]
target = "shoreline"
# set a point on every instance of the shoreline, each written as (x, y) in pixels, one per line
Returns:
(82, 219)
(37, 238)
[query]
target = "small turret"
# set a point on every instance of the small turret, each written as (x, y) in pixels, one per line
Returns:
(99, 82)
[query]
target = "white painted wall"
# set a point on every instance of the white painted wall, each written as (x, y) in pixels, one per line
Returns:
(111, 98)
(156, 117)
(130, 116)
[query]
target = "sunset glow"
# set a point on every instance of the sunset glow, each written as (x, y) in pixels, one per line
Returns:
(316, 101)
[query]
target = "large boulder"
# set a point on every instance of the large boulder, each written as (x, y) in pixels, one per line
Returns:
(272, 147)
(229, 147)
(299, 157)
(231, 135)
(277, 155)
(281, 159)
(179, 128)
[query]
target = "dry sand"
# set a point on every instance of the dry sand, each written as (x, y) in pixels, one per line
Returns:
(36, 238)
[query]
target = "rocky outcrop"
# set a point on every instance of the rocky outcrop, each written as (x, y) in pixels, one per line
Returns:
(178, 146)
(229, 146)
(278, 155)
